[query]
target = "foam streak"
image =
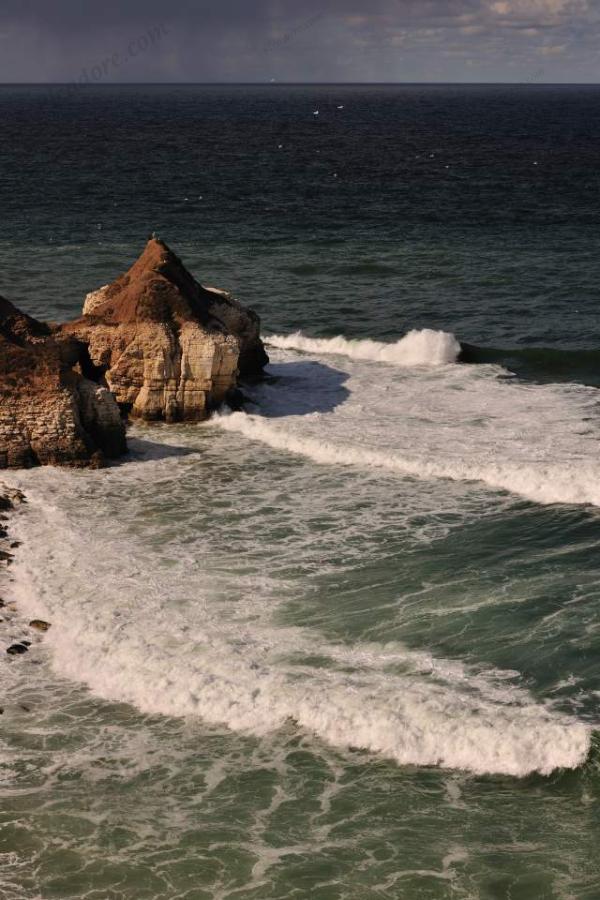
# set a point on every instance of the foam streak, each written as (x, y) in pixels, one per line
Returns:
(542, 483)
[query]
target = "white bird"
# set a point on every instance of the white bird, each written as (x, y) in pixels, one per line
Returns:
(316, 112)
(341, 107)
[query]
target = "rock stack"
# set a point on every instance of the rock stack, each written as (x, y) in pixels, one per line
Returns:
(168, 348)
(152, 345)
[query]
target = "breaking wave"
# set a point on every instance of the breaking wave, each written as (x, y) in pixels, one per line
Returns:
(163, 637)
(161, 642)
(424, 347)
(542, 483)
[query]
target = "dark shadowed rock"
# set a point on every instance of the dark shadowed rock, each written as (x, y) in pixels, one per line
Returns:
(50, 413)
(236, 399)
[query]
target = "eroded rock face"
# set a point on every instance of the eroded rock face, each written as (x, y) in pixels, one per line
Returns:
(167, 347)
(245, 324)
(50, 413)
(154, 343)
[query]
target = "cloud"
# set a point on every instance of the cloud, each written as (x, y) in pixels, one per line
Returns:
(541, 11)
(300, 39)
(553, 50)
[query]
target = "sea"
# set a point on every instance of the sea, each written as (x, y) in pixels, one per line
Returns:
(344, 645)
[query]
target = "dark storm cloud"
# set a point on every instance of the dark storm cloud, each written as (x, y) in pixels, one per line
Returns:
(308, 40)
(71, 15)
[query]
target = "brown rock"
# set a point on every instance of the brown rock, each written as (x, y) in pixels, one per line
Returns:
(49, 413)
(39, 625)
(9, 498)
(168, 348)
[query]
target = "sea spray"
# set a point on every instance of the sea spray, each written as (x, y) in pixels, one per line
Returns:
(424, 347)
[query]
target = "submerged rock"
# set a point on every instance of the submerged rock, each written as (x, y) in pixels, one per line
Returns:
(168, 348)
(49, 412)
(10, 497)
(17, 649)
(39, 625)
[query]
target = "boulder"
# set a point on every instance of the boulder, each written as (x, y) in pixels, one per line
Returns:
(49, 412)
(167, 348)
(10, 497)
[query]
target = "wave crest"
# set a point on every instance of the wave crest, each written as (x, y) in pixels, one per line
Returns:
(423, 347)
(541, 483)
(254, 676)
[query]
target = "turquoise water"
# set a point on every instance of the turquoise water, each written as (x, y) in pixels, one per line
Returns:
(346, 645)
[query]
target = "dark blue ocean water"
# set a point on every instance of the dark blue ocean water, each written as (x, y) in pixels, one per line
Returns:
(467, 207)
(325, 650)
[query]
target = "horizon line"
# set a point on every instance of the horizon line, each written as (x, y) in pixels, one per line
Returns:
(277, 83)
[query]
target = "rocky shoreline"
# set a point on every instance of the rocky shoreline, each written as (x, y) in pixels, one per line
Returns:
(17, 636)
(153, 345)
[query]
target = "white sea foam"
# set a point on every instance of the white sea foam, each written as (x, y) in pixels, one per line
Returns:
(159, 637)
(569, 482)
(465, 423)
(424, 347)
(174, 610)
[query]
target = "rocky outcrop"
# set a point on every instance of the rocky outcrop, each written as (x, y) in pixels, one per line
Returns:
(10, 499)
(155, 344)
(15, 636)
(49, 412)
(167, 348)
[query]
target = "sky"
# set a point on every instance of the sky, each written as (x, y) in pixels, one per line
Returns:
(532, 41)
